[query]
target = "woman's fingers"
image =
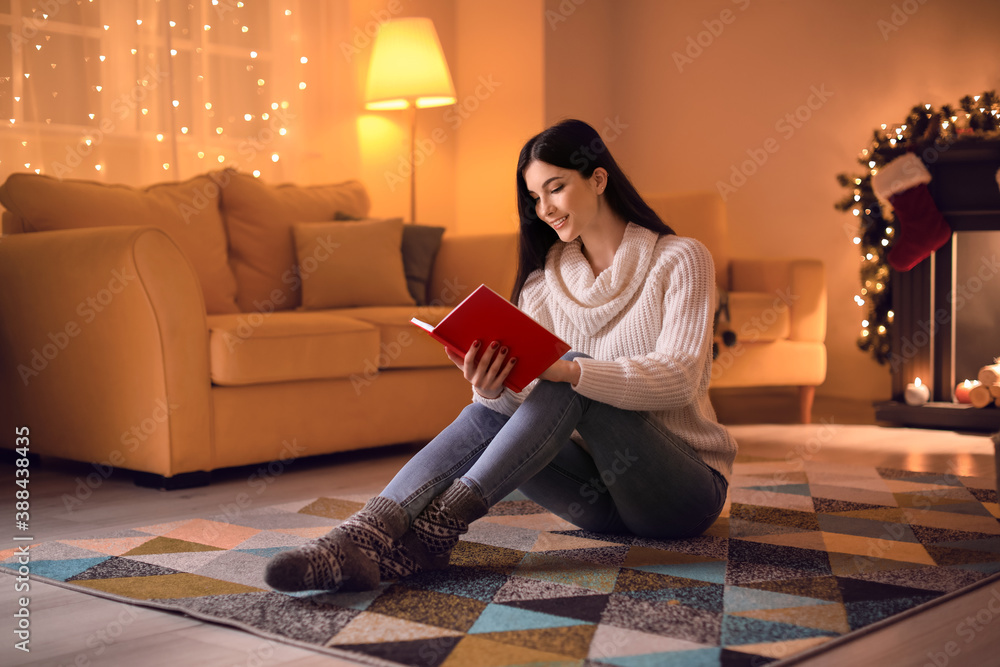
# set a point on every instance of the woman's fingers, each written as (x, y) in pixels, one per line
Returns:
(488, 373)
(485, 368)
(505, 371)
(470, 358)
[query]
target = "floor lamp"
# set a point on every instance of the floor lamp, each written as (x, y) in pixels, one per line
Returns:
(408, 71)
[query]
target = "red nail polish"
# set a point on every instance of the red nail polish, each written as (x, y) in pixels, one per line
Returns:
(503, 350)
(493, 345)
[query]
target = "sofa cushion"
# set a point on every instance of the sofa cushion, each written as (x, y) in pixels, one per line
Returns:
(259, 219)
(188, 212)
(401, 344)
(344, 264)
(420, 247)
(759, 317)
(253, 348)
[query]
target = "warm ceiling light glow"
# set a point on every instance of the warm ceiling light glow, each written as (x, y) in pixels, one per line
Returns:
(408, 67)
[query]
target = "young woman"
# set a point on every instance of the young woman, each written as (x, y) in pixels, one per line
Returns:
(618, 436)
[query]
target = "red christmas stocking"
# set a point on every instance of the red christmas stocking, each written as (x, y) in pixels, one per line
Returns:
(920, 227)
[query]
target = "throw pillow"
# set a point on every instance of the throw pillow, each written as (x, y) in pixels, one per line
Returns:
(420, 247)
(345, 264)
(259, 218)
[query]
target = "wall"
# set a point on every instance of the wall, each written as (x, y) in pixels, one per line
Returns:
(501, 82)
(694, 111)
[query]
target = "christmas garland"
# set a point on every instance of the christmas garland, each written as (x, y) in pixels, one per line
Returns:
(927, 132)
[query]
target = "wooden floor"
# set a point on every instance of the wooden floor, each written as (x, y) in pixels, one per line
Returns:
(69, 628)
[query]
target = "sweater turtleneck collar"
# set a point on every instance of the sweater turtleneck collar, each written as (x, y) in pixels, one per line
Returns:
(592, 301)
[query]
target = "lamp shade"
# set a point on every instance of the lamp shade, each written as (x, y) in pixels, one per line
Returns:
(408, 67)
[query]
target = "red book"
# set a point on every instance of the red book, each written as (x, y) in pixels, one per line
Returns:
(486, 316)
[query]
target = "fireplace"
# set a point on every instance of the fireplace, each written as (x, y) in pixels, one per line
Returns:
(946, 322)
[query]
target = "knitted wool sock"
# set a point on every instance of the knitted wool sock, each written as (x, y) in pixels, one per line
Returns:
(446, 518)
(347, 557)
(409, 556)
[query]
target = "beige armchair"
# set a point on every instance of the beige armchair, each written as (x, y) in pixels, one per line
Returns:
(777, 307)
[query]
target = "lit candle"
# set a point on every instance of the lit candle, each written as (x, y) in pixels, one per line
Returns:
(916, 393)
(962, 390)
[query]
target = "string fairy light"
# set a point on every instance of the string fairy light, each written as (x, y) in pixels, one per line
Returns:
(146, 107)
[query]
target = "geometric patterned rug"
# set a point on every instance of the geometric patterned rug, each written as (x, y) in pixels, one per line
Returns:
(803, 555)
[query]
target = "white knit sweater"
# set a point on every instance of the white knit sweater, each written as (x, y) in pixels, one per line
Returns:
(647, 322)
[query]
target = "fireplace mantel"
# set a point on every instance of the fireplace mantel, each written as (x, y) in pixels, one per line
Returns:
(965, 189)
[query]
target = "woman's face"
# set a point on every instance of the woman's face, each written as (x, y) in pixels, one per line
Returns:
(566, 201)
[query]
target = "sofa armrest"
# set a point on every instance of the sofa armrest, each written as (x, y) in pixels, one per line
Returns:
(465, 262)
(104, 349)
(799, 284)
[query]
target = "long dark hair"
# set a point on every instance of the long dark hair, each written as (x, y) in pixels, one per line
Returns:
(571, 144)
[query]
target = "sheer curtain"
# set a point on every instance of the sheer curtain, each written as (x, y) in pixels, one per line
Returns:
(141, 91)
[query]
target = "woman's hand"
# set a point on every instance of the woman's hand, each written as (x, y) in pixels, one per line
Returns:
(563, 370)
(488, 374)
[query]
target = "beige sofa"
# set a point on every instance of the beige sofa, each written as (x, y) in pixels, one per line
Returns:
(171, 331)
(161, 330)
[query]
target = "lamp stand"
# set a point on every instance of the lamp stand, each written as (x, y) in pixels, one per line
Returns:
(413, 163)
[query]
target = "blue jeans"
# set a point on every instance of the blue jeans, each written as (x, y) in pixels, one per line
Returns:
(636, 477)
